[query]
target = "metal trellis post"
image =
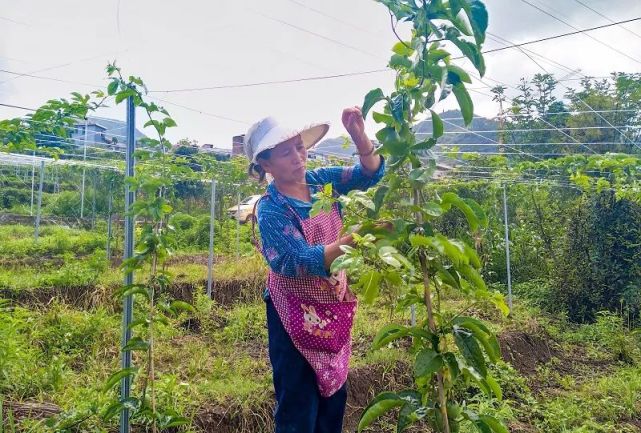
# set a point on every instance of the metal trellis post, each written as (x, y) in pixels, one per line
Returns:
(238, 226)
(39, 210)
(84, 169)
(210, 262)
(507, 250)
(128, 304)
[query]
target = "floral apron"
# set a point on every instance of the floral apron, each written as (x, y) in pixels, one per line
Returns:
(318, 312)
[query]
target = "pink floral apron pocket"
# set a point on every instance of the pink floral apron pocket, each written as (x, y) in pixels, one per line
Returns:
(325, 326)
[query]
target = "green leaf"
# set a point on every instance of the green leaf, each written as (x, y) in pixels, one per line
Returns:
(135, 290)
(112, 88)
(118, 376)
(427, 363)
(451, 198)
(477, 15)
(379, 196)
(450, 248)
(136, 343)
(178, 306)
(459, 73)
(452, 365)
(470, 51)
(383, 118)
(422, 175)
(397, 62)
(397, 106)
(472, 276)
(474, 258)
(176, 421)
(424, 145)
(372, 97)
(472, 374)
(370, 282)
(124, 94)
(456, 5)
(494, 386)
(437, 125)
(464, 101)
(363, 199)
(403, 49)
(391, 141)
(387, 255)
(494, 424)
(139, 322)
(478, 211)
(410, 412)
(383, 403)
(469, 347)
(111, 411)
(389, 333)
(485, 338)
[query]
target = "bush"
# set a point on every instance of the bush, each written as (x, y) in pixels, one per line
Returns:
(600, 265)
(65, 203)
(18, 241)
(10, 197)
(608, 336)
(192, 233)
(182, 222)
(73, 335)
(537, 293)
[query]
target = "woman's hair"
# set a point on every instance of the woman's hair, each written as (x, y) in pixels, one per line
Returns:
(255, 170)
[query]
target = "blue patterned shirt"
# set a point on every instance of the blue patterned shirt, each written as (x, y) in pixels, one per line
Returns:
(284, 245)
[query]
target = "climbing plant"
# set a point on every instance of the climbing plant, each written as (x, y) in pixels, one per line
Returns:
(414, 264)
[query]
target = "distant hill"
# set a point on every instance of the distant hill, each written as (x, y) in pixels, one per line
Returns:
(455, 133)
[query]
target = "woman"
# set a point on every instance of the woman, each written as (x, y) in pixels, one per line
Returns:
(309, 311)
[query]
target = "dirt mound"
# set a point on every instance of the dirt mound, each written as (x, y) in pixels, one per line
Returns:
(26, 409)
(224, 292)
(362, 385)
(85, 297)
(525, 351)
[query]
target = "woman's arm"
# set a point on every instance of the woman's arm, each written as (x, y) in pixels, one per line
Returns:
(333, 250)
(355, 126)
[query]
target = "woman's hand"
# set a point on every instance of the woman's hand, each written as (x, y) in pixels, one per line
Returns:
(355, 125)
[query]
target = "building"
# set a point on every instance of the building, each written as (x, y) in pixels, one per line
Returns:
(238, 145)
(108, 133)
(218, 152)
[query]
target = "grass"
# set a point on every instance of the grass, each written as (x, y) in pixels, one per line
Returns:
(606, 404)
(63, 354)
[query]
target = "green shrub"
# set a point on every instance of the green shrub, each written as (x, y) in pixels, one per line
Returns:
(65, 203)
(11, 197)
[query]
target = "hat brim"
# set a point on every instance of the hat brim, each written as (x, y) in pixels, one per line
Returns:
(310, 135)
(313, 134)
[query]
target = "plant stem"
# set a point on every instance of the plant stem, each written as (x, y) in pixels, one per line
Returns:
(154, 266)
(427, 299)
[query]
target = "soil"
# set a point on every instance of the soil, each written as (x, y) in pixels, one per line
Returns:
(225, 293)
(526, 351)
(362, 385)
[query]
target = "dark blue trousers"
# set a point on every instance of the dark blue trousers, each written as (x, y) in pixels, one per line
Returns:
(299, 406)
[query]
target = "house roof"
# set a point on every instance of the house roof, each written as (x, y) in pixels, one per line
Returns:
(113, 127)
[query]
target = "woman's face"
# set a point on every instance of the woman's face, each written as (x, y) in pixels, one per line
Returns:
(287, 162)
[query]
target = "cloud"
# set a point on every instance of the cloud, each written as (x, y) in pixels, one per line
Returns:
(201, 44)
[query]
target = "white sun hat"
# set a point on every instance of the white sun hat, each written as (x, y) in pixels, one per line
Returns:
(268, 133)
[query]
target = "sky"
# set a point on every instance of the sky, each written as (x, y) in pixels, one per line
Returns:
(176, 46)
